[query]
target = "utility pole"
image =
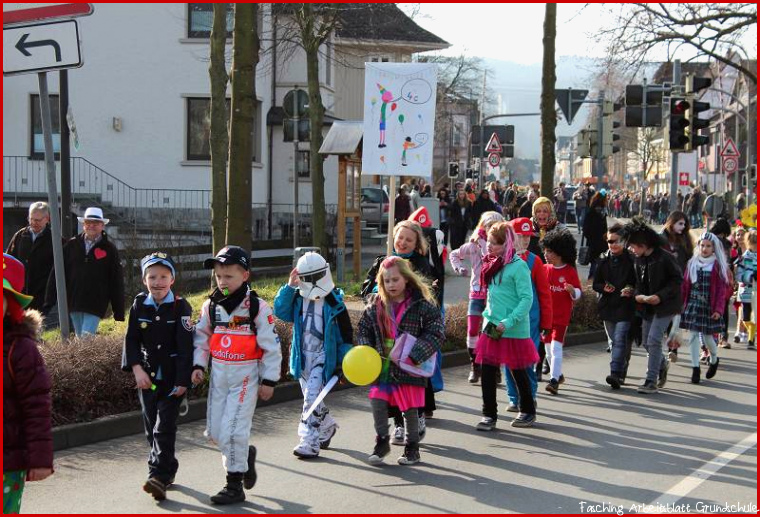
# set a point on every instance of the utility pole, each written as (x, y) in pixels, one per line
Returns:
(674, 156)
(599, 173)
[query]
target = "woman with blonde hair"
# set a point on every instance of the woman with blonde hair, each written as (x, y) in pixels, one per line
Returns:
(544, 220)
(474, 251)
(404, 304)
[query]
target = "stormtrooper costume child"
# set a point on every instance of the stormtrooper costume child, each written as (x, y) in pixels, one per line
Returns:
(322, 334)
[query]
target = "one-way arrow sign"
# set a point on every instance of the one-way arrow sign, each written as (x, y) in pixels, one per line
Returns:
(41, 47)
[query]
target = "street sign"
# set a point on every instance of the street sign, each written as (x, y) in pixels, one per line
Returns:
(45, 12)
(494, 159)
(41, 47)
(683, 179)
(570, 101)
(730, 164)
(730, 150)
(296, 103)
(493, 146)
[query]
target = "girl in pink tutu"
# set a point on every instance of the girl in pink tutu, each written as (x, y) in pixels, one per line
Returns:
(404, 304)
(505, 339)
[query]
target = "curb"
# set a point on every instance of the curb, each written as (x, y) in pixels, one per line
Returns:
(126, 424)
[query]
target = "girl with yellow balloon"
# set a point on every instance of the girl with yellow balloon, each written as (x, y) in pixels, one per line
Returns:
(403, 309)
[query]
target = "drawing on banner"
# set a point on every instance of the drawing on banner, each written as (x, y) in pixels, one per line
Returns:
(399, 119)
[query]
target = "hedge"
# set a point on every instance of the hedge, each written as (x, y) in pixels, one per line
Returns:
(88, 382)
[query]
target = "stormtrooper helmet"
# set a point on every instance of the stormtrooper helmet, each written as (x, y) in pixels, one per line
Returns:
(315, 279)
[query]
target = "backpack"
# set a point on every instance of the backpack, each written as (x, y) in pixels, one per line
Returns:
(253, 311)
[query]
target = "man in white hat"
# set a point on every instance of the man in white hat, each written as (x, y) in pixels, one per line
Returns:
(94, 276)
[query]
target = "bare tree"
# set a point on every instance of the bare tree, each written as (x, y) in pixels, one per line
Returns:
(315, 23)
(645, 153)
(712, 30)
(245, 48)
(219, 136)
(548, 114)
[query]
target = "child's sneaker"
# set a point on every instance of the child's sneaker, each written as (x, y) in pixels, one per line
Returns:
(232, 491)
(381, 450)
(411, 455)
(398, 436)
(712, 370)
(326, 435)
(553, 386)
(249, 478)
(673, 356)
(738, 338)
(524, 420)
(662, 379)
(648, 388)
(751, 344)
(512, 408)
(156, 488)
(486, 424)
(306, 450)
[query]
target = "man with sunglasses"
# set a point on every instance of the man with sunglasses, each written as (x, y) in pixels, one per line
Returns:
(614, 280)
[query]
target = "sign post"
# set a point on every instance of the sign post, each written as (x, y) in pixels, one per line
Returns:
(34, 44)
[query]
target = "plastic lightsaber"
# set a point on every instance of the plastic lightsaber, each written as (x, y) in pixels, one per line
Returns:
(322, 394)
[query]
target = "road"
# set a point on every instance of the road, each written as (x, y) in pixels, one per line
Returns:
(689, 444)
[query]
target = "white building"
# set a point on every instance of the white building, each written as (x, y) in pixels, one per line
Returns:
(140, 104)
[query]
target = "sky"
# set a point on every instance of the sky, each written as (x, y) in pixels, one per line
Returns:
(517, 29)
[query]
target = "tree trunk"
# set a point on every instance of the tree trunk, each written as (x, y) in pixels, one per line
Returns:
(316, 119)
(245, 57)
(548, 115)
(219, 137)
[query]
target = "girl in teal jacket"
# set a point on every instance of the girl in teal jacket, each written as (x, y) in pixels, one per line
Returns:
(505, 339)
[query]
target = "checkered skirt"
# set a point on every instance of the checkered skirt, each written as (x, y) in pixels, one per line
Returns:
(696, 317)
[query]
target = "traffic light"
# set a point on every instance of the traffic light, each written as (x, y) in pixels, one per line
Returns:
(609, 137)
(453, 170)
(693, 86)
(643, 105)
(468, 173)
(678, 123)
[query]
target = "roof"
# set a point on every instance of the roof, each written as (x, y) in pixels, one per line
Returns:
(664, 73)
(376, 22)
(343, 138)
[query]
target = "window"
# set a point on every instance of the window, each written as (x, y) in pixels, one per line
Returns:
(37, 139)
(199, 129)
(200, 18)
(303, 165)
(328, 64)
(380, 59)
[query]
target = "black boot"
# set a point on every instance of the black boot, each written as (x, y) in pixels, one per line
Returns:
(696, 372)
(712, 369)
(249, 479)
(474, 368)
(232, 491)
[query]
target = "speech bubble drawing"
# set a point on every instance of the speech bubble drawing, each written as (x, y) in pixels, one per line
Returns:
(416, 91)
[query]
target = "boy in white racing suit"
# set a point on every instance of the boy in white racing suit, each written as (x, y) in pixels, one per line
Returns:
(236, 330)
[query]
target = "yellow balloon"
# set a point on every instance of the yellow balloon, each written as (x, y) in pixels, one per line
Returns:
(362, 365)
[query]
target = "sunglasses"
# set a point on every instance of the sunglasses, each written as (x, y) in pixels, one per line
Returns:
(616, 241)
(313, 278)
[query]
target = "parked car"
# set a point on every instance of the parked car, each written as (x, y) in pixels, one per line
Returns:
(375, 206)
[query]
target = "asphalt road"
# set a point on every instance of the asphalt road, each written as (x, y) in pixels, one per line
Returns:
(687, 445)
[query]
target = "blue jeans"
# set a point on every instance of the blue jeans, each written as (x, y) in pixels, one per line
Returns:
(617, 337)
(84, 323)
(653, 338)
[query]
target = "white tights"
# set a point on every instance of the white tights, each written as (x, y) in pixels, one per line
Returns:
(554, 355)
(695, 345)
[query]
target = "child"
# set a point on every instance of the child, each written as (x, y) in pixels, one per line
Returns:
(404, 304)
(614, 281)
(658, 291)
(27, 435)
(158, 349)
(474, 251)
(322, 334)
(738, 247)
(705, 288)
(747, 277)
(505, 340)
(236, 329)
(541, 313)
(560, 253)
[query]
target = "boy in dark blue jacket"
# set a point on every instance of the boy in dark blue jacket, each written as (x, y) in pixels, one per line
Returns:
(158, 349)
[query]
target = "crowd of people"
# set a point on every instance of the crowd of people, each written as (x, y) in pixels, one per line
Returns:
(661, 289)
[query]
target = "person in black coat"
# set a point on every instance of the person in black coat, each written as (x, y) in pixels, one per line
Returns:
(483, 204)
(158, 350)
(614, 281)
(460, 220)
(33, 246)
(658, 291)
(94, 275)
(595, 230)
